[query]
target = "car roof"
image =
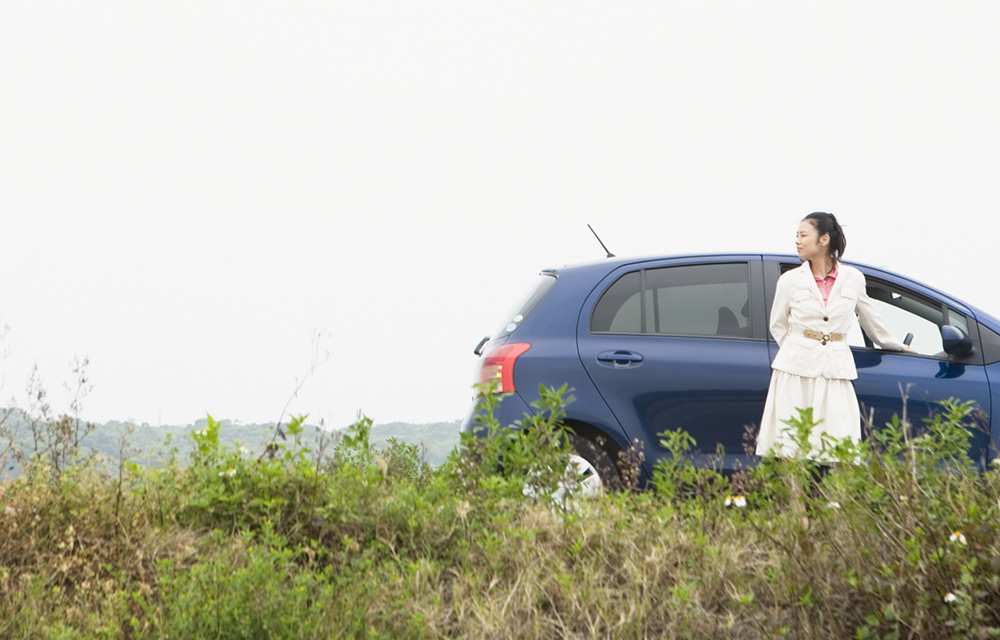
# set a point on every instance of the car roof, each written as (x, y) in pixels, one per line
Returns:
(610, 264)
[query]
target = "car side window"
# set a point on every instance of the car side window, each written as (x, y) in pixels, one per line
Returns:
(689, 300)
(904, 312)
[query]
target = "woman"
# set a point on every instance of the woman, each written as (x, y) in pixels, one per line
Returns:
(814, 307)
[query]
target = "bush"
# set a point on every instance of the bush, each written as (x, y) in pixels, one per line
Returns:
(895, 537)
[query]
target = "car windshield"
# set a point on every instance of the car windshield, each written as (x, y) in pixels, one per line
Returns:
(525, 305)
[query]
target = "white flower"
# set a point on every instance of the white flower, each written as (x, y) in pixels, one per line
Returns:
(903, 498)
(950, 597)
(833, 504)
(957, 536)
(243, 449)
(736, 501)
(231, 471)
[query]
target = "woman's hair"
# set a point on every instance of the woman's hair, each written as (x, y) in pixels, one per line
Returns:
(826, 223)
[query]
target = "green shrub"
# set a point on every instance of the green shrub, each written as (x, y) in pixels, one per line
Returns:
(892, 537)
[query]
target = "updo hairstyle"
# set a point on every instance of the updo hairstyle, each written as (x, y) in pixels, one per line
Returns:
(826, 223)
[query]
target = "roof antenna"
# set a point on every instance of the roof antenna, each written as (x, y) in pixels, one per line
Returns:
(610, 255)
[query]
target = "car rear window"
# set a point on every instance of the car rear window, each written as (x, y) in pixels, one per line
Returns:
(689, 300)
(526, 304)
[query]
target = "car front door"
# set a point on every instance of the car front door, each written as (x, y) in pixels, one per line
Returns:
(890, 382)
(681, 345)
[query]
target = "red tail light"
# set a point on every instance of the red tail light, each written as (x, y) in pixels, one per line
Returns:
(499, 365)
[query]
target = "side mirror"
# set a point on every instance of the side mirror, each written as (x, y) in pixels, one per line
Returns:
(955, 342)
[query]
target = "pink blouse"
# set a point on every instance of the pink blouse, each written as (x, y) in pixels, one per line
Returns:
(826, 284)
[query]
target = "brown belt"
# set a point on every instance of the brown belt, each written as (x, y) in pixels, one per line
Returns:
(822, 337)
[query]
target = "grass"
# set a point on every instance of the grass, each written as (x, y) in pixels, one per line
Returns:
(896, 540)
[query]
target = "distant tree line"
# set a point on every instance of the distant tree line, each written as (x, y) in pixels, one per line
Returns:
(151, 446)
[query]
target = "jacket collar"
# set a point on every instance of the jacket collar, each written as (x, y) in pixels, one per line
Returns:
(809, 280)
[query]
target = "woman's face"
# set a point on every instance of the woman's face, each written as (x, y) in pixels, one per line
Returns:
(808, 244)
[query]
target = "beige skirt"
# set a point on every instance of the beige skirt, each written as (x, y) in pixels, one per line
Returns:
(834, 405)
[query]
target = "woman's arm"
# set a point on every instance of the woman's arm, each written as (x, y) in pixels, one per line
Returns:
(871, 322)
(780, 310)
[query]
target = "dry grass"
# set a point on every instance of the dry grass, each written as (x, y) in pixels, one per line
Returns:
(372, 544)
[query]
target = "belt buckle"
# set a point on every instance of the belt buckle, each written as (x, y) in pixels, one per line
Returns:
(826, 338)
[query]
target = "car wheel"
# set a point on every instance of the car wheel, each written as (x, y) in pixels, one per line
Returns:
(593, 467)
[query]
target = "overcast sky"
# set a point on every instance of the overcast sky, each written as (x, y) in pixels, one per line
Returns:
(191, 192)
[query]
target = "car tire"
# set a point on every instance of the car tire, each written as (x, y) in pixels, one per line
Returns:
(595, 469)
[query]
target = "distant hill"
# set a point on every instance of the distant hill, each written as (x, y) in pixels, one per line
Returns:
(148, 445)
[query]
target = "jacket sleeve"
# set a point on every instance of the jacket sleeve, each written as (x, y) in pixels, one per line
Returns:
(780, 310)
(871, 322)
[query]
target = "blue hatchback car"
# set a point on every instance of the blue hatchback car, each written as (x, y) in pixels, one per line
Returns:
(650, 345)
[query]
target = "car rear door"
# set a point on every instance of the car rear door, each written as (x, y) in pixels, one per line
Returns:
(681, 344)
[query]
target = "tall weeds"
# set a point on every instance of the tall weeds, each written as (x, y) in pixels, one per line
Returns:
(895, 537)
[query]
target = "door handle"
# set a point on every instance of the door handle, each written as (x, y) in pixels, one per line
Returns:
(619, 358)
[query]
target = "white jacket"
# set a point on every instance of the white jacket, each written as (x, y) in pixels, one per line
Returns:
(798, 305)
